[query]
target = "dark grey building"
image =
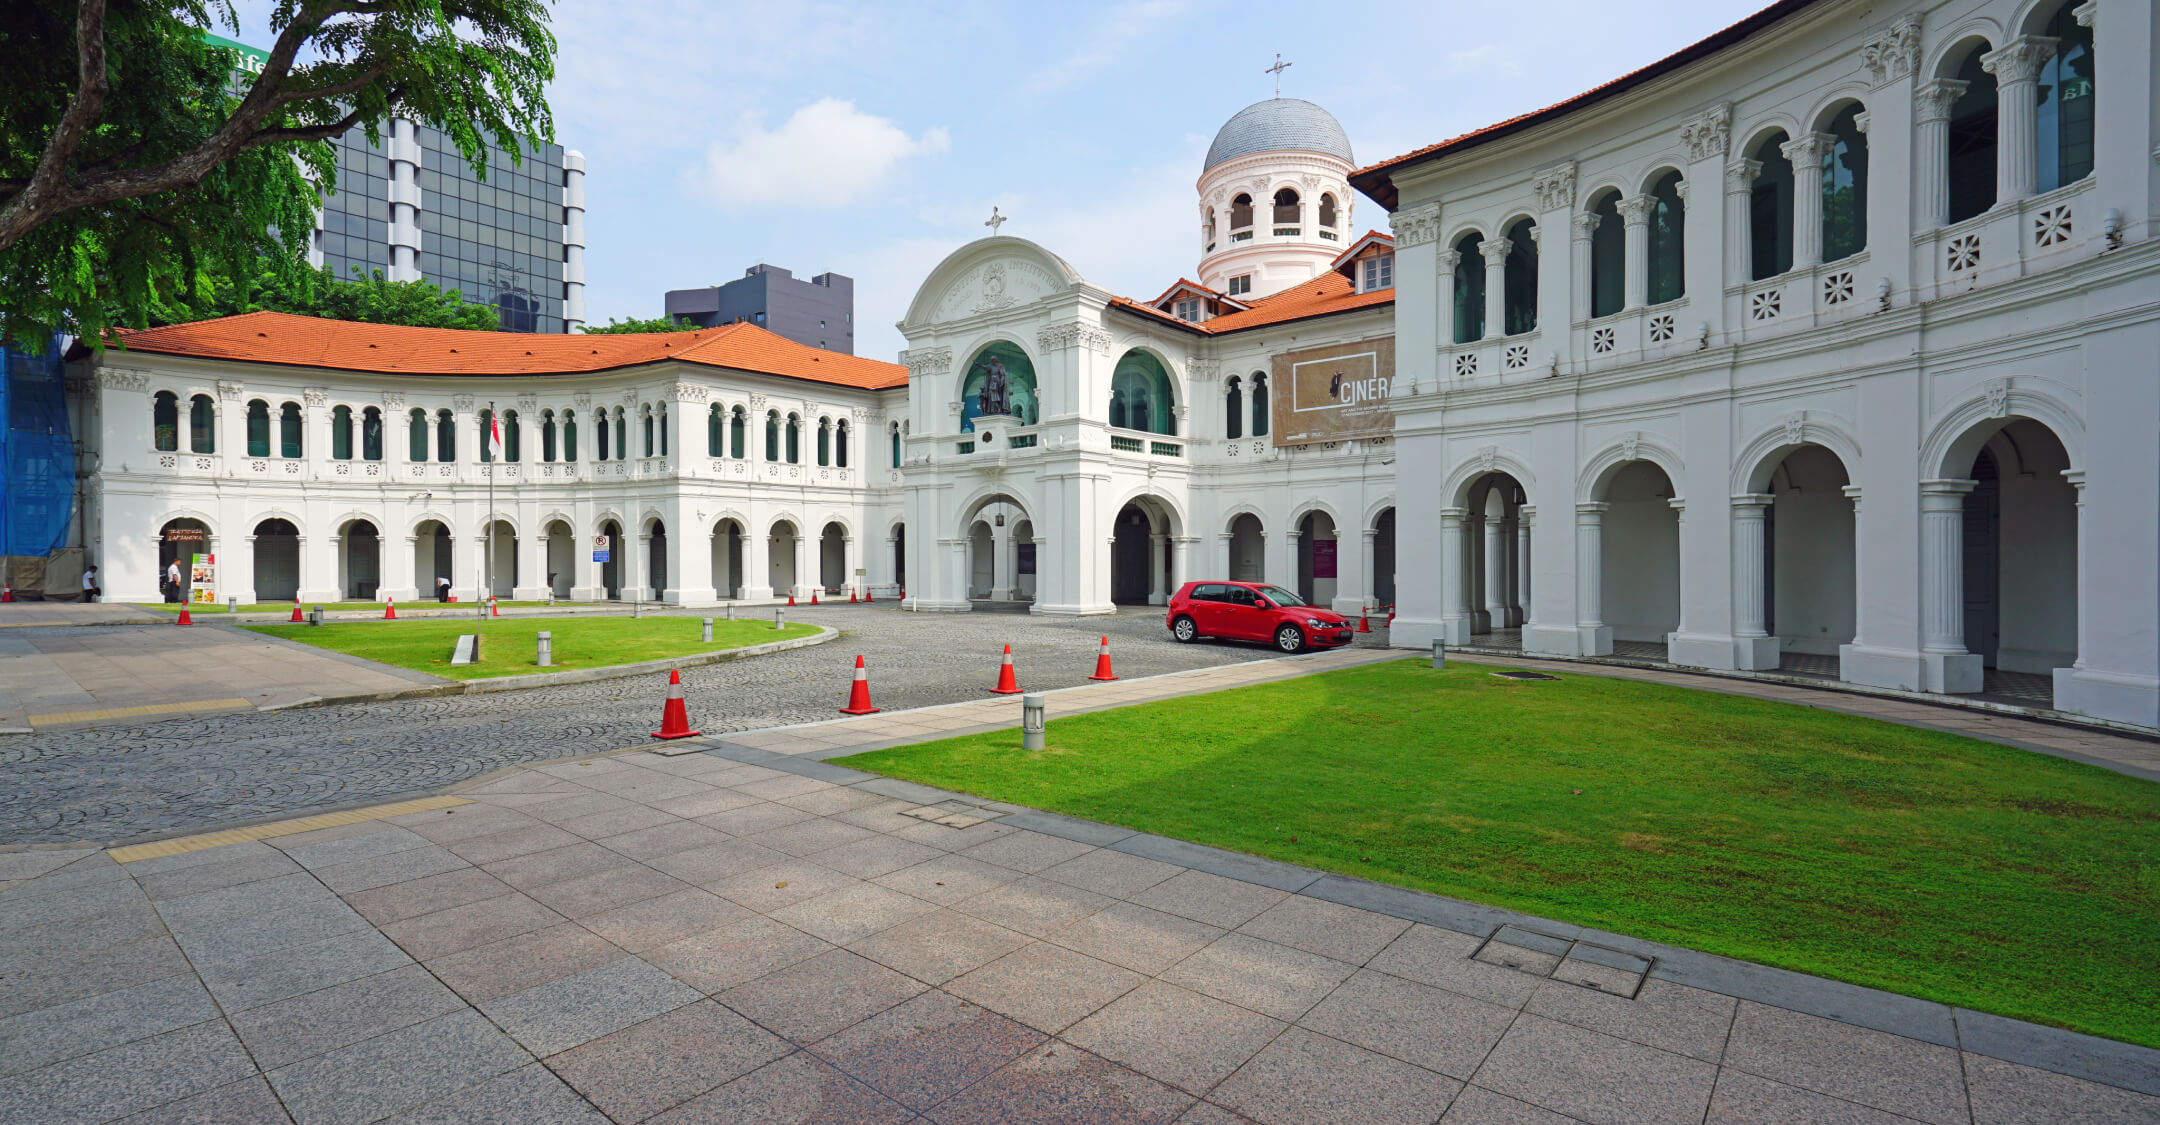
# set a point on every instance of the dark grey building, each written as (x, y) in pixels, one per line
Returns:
(819, 312)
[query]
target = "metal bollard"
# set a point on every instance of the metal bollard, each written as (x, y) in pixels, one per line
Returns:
(637, 609)
(551, 596)
(232, 603)
(708, 630)
(731, 611)
(779, 617)
(1439, 654)
(545, 645)
(315, 616)
(1031, 721)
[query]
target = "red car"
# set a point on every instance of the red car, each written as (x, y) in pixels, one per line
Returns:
(1253, 611)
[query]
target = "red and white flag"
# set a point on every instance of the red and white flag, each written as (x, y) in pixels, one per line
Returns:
(494, 438)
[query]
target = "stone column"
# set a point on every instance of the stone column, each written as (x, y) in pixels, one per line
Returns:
(1590, 578)
(849, 563)
(1739, 219)
(755, 581)
(1754, 647)
(1499, 534)
(1635, 214)
(1948, 667)
(1475, 528)
(1679, 508)
(1586, 225)
(1931, 151)
(1289, 578)
(1180, 560)
(1001, 562)
(401, 575)
(957, 560)
(802, 576)
(1454, 578)
(2076, 477)
(1223, 555)
(2016, 67)
(1368, 570)
(1859, 565)
(1806, 155)
(1448, 259)
(1495, 252)
(1157, 595)
(1524, 517)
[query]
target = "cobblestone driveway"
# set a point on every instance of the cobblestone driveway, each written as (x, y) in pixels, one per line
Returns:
(114, 783)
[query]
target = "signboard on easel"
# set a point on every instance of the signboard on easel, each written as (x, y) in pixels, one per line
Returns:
(202, 579)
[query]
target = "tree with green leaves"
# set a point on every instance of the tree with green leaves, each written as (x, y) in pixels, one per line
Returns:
(131, 166)
(369, 299)
(629, 325)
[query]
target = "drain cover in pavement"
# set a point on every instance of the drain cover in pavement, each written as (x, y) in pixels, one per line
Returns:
(1516, 674)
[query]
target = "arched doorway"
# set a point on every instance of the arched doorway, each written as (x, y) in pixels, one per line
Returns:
(1639, 561)
(1316, 554)
(993, 557)
(1383, 558)
(1494, 561)
(562, 549)
(277, 561)
(179, 541)
(1796, 525)
(2018, 563)
(611, 571)
(982, 561)
(361, 562)
(1129, 557)
(656, 556)
(431, 558)
(1023, 560)
(832, 558)
(727, 550)
(899, 555)
(1248, 549)
(781, 546)
(502, 555)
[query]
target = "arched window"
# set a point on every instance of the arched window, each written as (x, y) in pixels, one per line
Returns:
(1327, 211)
(371, 434)
(1259, 404)
(1520, 278)
(794, 439)
(715, 436)
(645, 423)
(510, 435)
(737, 423)
(165, 422)
(341, 433)
(602, 437)
(202, 425)
(1233, 411)
(824, 441)
(1140, 395)
(289, 430)
(1844, 187)
(1207, 230)
(1770, 210)
(840, 443)
(1668, 241)
(569, 435)
(1971, 163)
(416, 436)
(661, 421)
(622, 436)
(2066, 104)
(258, 428)
(1286, 208)
(896, 445)
(772, 435)
(1240, 214)
(445, 436)
(1469, 289)
(1608, 257)
(547, 436)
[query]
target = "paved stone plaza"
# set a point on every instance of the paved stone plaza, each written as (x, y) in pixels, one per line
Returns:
(696, 939)
(116, 782)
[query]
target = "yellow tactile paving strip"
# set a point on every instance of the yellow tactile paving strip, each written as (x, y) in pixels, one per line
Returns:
(55, 717)
(134, 852)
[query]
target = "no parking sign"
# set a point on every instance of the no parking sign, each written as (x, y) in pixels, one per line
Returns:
(600, 548)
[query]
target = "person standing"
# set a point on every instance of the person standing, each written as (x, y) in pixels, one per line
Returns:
(90, 589)
(173, 592)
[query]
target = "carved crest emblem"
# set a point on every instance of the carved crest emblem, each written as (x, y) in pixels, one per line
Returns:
(1998, 398)
(1488, 456)
(1795, 427)
(1631, 446)
(994, 295)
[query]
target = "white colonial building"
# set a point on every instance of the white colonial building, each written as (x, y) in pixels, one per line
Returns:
(328, 460)
(1843, 357)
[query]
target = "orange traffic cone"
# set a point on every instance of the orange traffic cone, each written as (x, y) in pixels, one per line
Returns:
(851, 595)
(296, 619)
(813, 595)
(791, 596)
(7, 593)
(1102, 662)
(184, 618)
(1006, 685)
(858, 701)
(869, 593)
(1363, 625)
(1391, 615)
(674, 718)
(494, 607)
(389, 609)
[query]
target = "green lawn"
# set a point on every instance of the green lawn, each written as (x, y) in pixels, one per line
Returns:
(506, 643)
(1916, 861)
(328, 607)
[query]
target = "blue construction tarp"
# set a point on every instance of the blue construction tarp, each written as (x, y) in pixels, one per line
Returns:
(37, 454)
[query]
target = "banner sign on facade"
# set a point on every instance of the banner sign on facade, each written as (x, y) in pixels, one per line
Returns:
(1323, 558)
(1333, 393)
(1026, 559)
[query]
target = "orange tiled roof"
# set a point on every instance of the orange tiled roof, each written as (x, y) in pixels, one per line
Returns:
(1377, 180)
(392, 349)
(1329, 293)
(1367, 239)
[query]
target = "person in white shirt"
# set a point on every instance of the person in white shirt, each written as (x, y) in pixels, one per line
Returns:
(173, 590)
(442, 589)
(90, 589)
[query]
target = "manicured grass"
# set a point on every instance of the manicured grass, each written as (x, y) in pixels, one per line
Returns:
(1916, 861)
(329, 607)
(506, 643)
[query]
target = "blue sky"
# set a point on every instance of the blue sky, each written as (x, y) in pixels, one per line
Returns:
(873, 139)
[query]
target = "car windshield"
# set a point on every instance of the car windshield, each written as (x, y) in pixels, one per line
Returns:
(1279, 596)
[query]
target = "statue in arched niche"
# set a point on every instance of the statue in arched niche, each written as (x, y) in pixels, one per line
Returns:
(995, 395)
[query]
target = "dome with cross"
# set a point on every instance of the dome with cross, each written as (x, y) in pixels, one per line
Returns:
(1279, 125)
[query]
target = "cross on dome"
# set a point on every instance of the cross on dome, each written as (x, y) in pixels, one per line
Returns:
(995, 220)
(1277, 70)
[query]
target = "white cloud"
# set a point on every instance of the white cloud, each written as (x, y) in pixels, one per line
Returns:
(1107, 37)
(827, 153)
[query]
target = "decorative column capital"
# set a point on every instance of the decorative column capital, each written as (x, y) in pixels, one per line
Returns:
(1452, 517)
(1449, 259)
(1495, 251)
(1740, 176)
(1852, 493)
(1807, 152)
(2085, 13)
(2019, 60)
(1751, 505)
(1933, 101)
(1944, 495)
(1585, 224)
(1590, 511)
(1894, 52)
(1416, 226)
(1635, 210)
(1555, 187)
(1708, 135)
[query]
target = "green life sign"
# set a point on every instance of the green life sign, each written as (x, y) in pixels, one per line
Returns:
(249, 60)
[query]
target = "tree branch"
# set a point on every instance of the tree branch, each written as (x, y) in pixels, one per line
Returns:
(27, 209)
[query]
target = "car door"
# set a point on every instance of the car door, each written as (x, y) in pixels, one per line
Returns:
(1206, 607)
(1242, 616)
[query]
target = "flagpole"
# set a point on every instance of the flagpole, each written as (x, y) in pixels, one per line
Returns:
(487, 562)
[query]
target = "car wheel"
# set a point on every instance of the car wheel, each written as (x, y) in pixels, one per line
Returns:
(1290, 638)
(1185, 630)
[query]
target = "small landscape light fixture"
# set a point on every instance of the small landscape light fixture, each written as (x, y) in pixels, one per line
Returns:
(544, 649)
(315, 616)
(1439, 654)
(779, 617)
(708, 630)
(1031, 721)
(232, 603)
